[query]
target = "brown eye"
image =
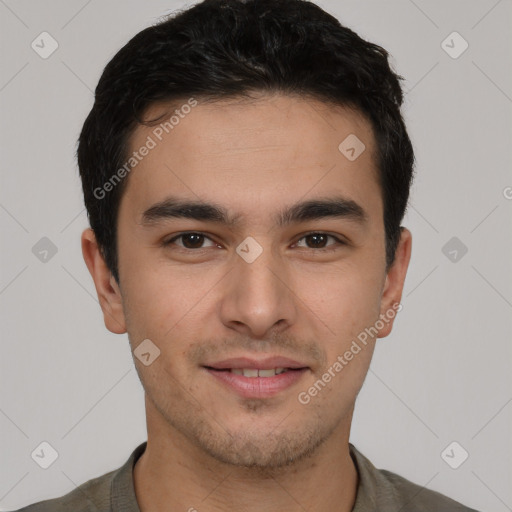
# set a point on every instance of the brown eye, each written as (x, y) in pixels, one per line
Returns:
(318, 241)
(190, 240)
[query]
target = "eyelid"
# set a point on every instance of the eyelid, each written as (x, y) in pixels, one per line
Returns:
(179, 235)
(340, 241)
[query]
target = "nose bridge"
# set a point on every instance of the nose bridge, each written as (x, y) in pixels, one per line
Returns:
(257, 295)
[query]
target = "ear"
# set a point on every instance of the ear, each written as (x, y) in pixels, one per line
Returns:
(108, 291)
(394, 284)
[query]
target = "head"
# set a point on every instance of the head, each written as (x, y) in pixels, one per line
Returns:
(246, 169)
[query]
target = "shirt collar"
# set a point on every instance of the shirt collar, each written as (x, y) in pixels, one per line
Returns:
(374, 491)
(122, 492)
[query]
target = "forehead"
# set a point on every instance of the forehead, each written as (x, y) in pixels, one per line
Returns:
(253, 155)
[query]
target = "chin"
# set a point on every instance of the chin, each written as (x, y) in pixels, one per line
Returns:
(260, 448)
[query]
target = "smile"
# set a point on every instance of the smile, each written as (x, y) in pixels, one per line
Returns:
(257, 383)
(253, 372)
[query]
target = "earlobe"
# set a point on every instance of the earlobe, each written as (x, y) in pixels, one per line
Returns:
(394, 284)
(108, 291)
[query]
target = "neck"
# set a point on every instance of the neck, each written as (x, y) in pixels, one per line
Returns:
(174, 474)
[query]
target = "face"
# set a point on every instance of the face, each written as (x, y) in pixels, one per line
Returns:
(282, 265)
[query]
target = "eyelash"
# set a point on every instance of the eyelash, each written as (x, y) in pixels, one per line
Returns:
(331, 248)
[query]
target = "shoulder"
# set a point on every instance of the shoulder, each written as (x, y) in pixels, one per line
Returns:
(91, 496)
(112, 491)
(383, 490)
(415, 498)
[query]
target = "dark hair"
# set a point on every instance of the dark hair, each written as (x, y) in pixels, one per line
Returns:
(220, 49)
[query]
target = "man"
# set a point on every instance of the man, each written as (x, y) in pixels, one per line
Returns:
(246, 168)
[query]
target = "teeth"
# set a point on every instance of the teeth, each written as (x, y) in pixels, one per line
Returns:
(252, 372)
(267, 373)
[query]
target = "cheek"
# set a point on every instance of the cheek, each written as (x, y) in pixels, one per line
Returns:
(348, 303)
(166, 303)
(152, 300)
(347, 298)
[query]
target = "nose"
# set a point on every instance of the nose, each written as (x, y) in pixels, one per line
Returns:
(258, 298)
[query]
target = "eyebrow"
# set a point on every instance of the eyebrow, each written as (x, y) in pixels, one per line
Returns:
(315, 209)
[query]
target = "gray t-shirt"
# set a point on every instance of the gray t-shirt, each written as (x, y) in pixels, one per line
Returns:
(378, 491)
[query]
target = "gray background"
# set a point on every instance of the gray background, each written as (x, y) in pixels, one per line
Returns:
(443, 375)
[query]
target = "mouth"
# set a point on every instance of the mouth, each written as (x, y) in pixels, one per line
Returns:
(254, 372)
(251, 378)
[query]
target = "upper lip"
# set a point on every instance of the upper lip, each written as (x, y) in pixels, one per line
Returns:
(258, 364)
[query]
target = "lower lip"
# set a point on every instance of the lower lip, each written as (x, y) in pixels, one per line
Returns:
(258, 387)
